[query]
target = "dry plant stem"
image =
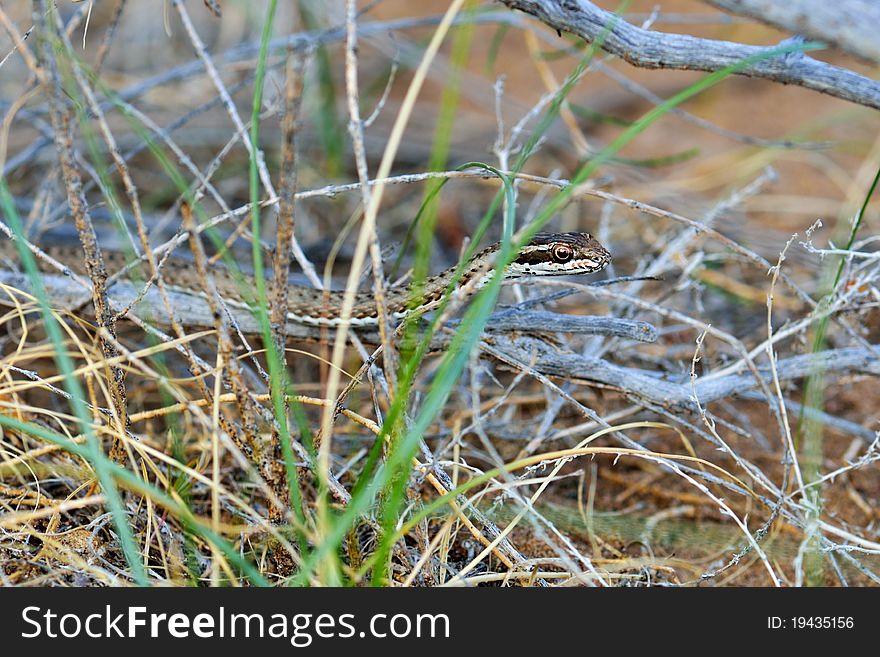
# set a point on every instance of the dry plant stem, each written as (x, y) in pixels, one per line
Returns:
(562, 546)
(228, 103)
(438, 543)
(300, 41)
(18, 41)
(543, 322)
(747, 467)
(649, 49)
(262, 455)
(510, 488)
(252, 150)
(841, 302)
(438, 479)
(107, 36)
(673, 462)
(644, 92)
(785, 505)
(8, 119)
(699, 227)
(519, 361)
(285, 242)
(677, 395)
(118, 160)
(201, 181)
(244, 52)
(164, 135)
(338, 491)
(844, 426)
(639, 90)
(441, 482)
(356, 130)
(490, 536)
(256, 523)
(33, 376)
(368, 226)
(871, 455)
(579, 140)
(215, 467)
(73, 300)
(149, 453)
(788, 440)
(680, 243)
(285, 223)
(726, 510)
(436, 475)
(305, 40)
(199, 365)
(550, 361)
(60, 115)
(287, 199)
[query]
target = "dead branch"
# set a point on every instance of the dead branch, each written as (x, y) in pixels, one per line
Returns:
(851, 25)
(650, 49)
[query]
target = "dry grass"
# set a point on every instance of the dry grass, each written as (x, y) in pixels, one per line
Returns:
(688, 453)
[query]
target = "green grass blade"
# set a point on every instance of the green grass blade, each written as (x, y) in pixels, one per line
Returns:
(811, 429)
(92, 451)
(138, 485)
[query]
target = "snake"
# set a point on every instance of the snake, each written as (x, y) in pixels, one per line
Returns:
(545, 254)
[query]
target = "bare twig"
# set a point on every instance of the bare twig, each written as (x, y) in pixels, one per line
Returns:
(61, 117)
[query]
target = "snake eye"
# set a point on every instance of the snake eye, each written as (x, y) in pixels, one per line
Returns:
(562, 253)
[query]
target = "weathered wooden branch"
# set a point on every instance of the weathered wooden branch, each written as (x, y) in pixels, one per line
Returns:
(511, 340)
(514, 319)
(194, 311)
(851, 25)
(675, 392)
(650, 49)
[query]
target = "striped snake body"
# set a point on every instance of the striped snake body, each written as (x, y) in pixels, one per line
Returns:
(547, 254)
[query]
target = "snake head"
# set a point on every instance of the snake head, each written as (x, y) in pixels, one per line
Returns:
(559, 254)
